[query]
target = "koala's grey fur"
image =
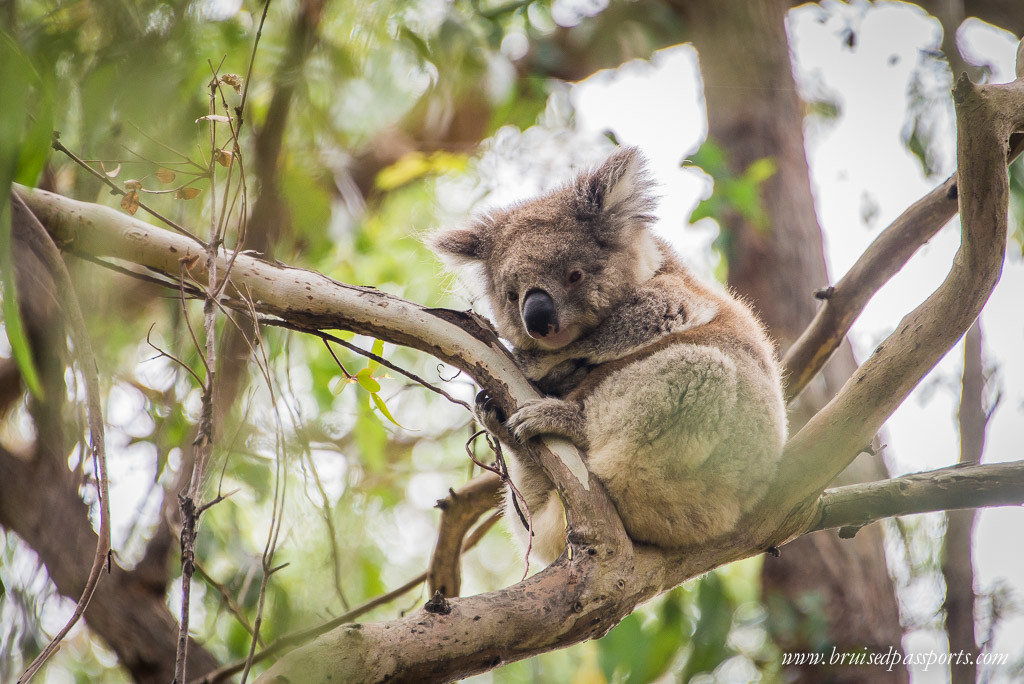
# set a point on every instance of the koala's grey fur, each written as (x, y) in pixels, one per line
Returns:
(668, 384)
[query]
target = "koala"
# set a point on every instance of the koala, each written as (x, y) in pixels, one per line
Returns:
(668, 385)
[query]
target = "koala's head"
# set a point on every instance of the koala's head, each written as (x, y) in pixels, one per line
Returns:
(554, 267)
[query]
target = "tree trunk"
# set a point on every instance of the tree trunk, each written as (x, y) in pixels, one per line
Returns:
(957, 566)
(754, 111)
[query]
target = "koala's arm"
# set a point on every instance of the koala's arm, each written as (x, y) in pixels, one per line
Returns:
(547, 416)
(550, 416)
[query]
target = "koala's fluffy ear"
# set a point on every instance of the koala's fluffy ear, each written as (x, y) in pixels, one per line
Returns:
(619, 192)
(462, 246)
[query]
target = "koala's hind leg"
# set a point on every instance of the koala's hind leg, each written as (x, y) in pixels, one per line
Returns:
(533, 484)
(546, 514)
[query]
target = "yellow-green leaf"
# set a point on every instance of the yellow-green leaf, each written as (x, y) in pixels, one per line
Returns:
(338, 384)
(761, 169)
(378, 349)
(366, 381)
(384, 409)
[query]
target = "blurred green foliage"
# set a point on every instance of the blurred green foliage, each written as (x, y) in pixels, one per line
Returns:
(124, 82)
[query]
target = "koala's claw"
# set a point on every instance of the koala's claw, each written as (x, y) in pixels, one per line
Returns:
(489, 414)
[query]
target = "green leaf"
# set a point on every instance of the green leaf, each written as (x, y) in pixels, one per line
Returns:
(640, 650)
(378, 349)
(384, 409)
(19, 159)
(371, 438)
(712, 630)
(367, 382)
(711, 158)
(709, 208)
(338, 384)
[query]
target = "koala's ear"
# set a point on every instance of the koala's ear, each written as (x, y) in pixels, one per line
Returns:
(619, 190)
(464, 245)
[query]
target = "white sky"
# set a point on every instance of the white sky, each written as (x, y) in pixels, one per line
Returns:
(856, 162)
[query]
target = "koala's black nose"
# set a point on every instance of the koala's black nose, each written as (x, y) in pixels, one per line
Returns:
(539, 313)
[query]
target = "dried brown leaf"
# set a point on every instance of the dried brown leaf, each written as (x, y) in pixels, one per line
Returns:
(233, 80)
(130, 202)
(189, 261)
(165, 175)
(187, 193)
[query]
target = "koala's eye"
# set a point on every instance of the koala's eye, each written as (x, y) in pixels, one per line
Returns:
(574, 277)
(512, 295)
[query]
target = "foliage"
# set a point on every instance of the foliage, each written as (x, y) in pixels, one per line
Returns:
(125, 84)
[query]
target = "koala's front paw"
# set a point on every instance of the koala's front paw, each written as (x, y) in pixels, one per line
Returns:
(549, 416)
(490, 415)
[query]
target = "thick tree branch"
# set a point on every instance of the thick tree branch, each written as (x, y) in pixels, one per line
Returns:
(308, 299)
(846, 299)
(986, 117)
(957, 543)
(302, 636)
(32, 232)
(947, 488)
(956, 487)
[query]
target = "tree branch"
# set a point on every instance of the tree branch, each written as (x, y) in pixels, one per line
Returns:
(131, 618)
(302, 636)
(459, 510)
(844, 301)
(986, 117)
(959, 486)
(315, 302)
(957, 543)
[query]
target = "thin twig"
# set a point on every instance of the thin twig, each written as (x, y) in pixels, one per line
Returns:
(277, 512)
(229, 602)
(959, 486)
(59, 146)
(379, 359)
(501, 470)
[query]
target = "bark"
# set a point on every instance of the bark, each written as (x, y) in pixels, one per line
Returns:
(754, 112)
(1005, 14)
(459, 512)
(38, 491)
(957, 564)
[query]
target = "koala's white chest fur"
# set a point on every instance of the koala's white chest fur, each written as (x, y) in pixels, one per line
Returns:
(669, 386)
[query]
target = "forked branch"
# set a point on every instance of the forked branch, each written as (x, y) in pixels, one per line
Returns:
(987, 115)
